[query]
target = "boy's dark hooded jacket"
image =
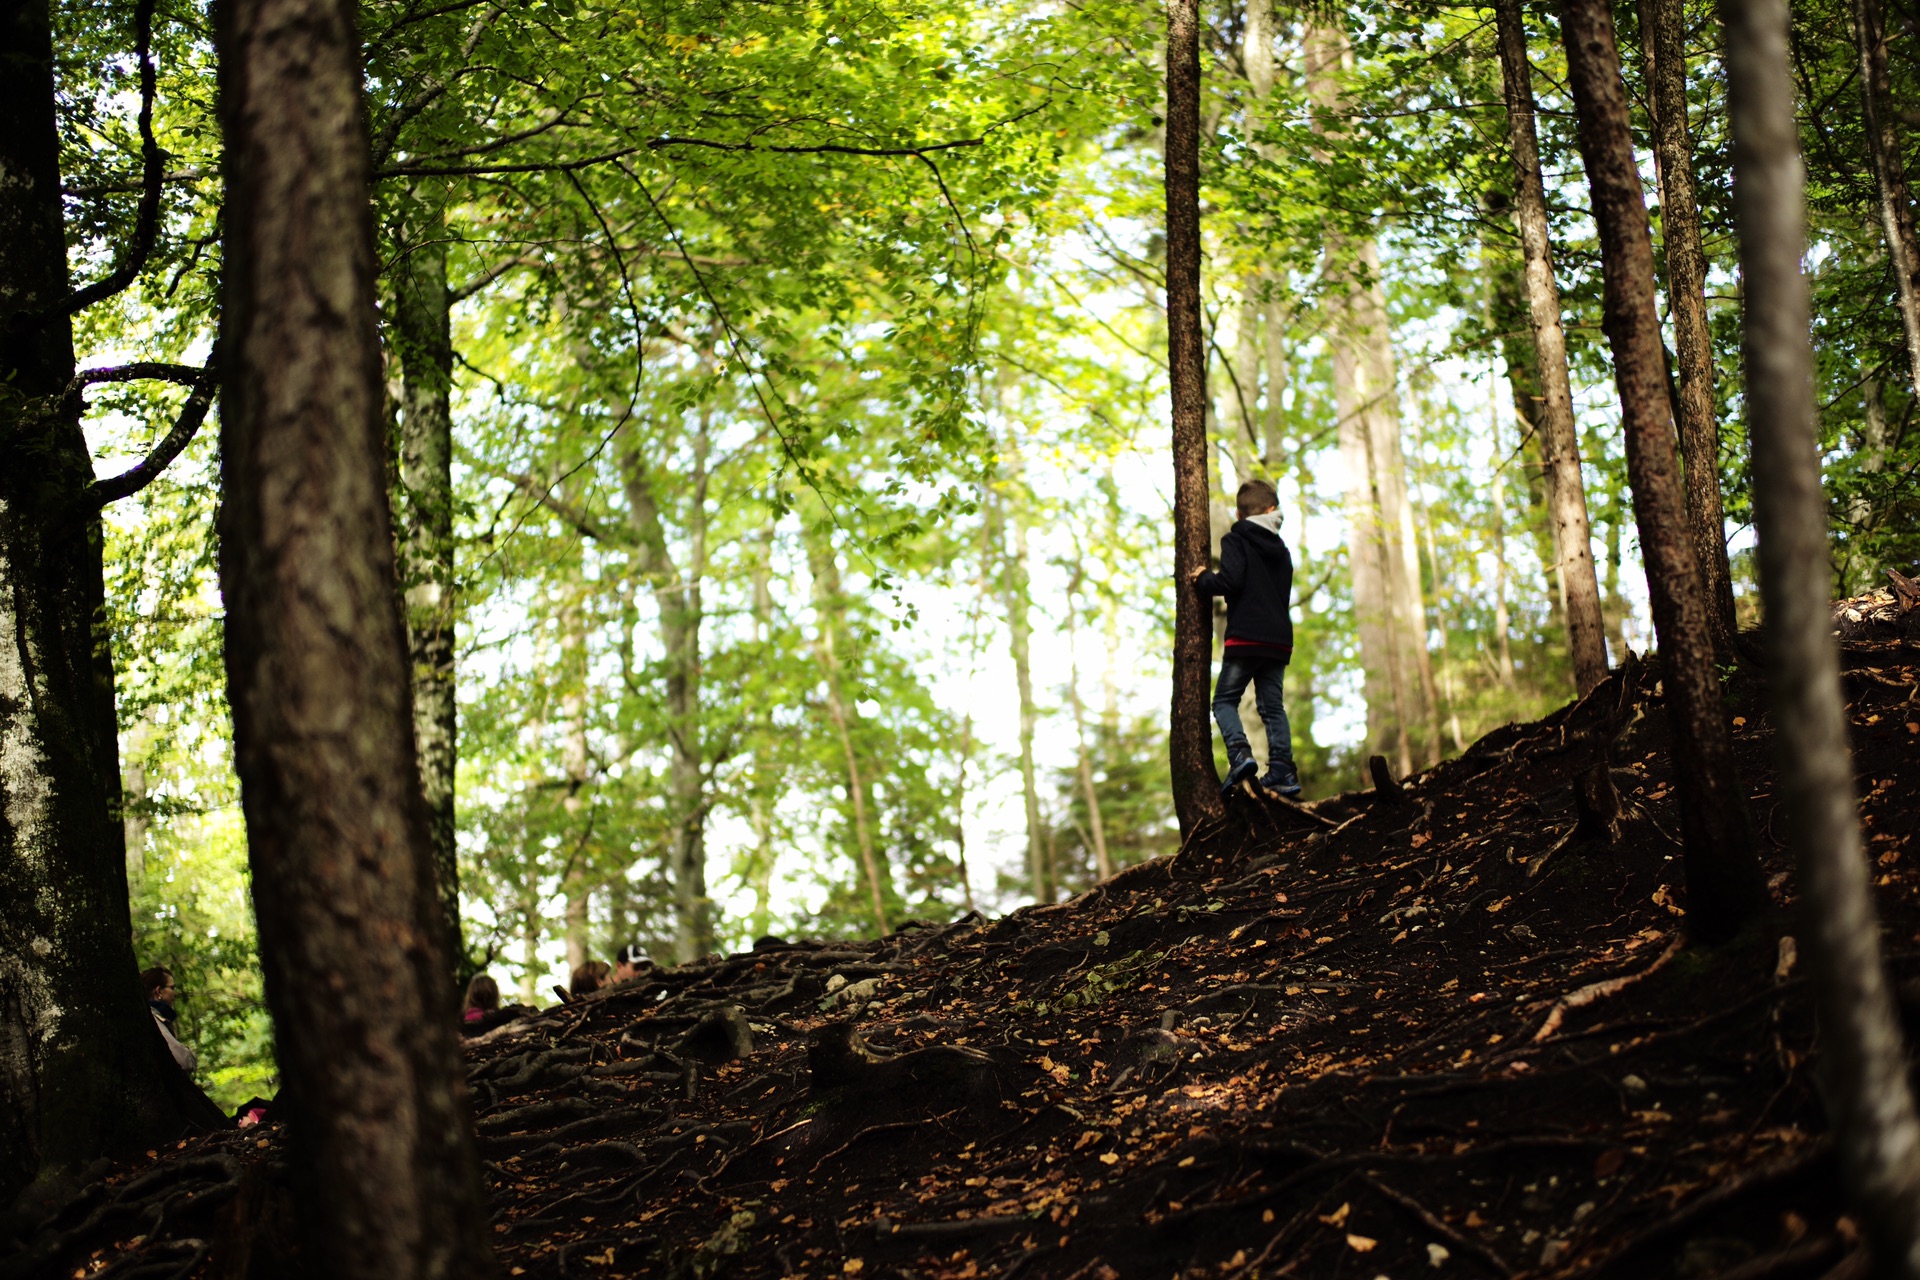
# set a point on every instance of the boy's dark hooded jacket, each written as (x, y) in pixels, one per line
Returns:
(1256, 577)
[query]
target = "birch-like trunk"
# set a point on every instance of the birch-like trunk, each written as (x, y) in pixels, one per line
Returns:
(1865, 1073)
(1663, 38)
(1724, 883)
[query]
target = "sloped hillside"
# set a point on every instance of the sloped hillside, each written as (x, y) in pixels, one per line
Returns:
(1432, 1031)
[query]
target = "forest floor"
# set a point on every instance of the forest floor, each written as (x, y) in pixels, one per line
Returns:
(1433, 1033)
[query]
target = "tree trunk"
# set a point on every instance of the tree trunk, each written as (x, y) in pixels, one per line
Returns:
(1502, 624)
(1724, 884)
(1866, 1068)
(423, 340)
(1097, 829)
(677, 602)
(81, 1070)
(1383, 553)
(352, 944)
(573, 754)
(1559, 441)
(1190, 740)
(1663, 38)
(765, 783)
(1889, 172)
(829, 607)
(1020, 629)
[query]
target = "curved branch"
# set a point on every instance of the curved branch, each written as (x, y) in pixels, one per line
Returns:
(146, 225)
(192, 414)
(139, 371)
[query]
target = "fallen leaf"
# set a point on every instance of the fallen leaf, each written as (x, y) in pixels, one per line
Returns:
(854, 1266)
(1109, 1157)
(1361, 1244)
(1338, 1218)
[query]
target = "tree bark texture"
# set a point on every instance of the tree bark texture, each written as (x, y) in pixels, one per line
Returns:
(423, 341)
(82, 1072)
(1403, 720)
(1190, 747)
(1866, 1076)
(1889, 172)
(1663, 37)
(1559, 439)
(1724, 885)
(352, 943)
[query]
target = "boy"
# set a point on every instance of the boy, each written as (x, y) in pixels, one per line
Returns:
(1256, 577)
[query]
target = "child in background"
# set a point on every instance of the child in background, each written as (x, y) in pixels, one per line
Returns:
(1256, 577)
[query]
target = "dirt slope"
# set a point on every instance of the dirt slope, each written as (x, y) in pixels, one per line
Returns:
(1428, 1035)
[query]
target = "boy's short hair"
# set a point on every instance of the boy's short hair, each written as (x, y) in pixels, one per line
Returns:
(1256, 496)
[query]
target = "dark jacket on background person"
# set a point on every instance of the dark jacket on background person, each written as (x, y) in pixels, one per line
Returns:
(1256, 577)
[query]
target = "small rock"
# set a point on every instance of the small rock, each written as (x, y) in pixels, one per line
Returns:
(836, 982)
(1552, 1251)
(1437, 1255)
(1633, 1084)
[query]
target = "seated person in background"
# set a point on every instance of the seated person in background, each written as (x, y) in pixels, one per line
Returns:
(161, 994)
(630, 963)
(590, 976)
(483, 998)
(483, 1011)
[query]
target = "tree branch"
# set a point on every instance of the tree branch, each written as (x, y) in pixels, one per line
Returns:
(146, 225)
(194, 412)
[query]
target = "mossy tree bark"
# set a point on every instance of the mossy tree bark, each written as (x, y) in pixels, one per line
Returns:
(1724, 885)
(423, 341)
(352, 942)
(1865, 1083)
(82, 1071)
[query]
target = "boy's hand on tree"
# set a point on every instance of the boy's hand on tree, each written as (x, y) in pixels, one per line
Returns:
(1193, 575)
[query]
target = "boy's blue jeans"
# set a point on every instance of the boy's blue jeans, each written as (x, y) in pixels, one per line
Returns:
(1266, 675)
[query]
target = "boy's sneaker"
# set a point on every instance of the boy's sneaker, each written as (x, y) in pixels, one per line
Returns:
(1282, 780)
(1240, 771)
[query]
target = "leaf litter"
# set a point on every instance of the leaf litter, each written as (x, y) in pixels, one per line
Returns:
(1429, 1033)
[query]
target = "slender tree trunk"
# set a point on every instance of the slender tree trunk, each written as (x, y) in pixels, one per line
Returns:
(765, 782)
(1663, 36)
(1097, 829)
(1502, 623)
(677, 603)
(352, 943)
(1616, 604)
(1017, 587)
(1190, 742)
(423, 340)
(573, 710)
(1889, 172)
(829, 606)
(1724, 884)
(1559, 442)
(1866, 1076)
(81, 1070)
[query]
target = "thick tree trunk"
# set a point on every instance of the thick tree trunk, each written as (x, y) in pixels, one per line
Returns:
(1724, 885)
(1866, 1075)
(352, 944)
(423, 341)
(81, 1070)
(1889, 172)
(1663, 36)
(1559, 441)
(1190, 741)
